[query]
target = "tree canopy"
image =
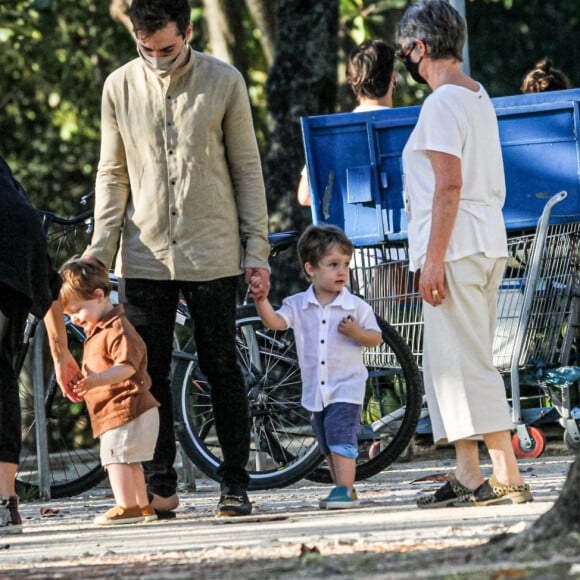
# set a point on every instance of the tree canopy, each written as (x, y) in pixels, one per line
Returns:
(57, 53)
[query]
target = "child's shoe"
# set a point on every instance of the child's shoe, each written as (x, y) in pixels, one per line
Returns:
(355, 500)
(339, 498)
(10, 521)
(148, 513)
(120, 515)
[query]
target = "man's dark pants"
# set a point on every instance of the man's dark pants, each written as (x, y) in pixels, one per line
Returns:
(150, 305)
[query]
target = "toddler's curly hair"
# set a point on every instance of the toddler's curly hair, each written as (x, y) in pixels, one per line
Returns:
(80, 279)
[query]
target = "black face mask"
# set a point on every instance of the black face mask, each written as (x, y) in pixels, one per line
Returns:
(413, 68)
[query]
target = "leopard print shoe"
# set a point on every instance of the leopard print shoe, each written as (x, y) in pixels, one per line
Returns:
(449, 495)
(492, 492)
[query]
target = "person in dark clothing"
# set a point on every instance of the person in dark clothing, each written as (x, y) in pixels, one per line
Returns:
(28, 283)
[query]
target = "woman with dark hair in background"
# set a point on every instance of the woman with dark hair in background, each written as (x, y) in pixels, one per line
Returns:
(370, 74)
(544, 77)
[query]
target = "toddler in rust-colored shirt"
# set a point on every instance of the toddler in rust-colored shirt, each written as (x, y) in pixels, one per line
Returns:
(115, 387)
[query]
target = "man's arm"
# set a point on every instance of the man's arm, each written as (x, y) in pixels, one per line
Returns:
(245, 167)
(112, 183)
(303, 192)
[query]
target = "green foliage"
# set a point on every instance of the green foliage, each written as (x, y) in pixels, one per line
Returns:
(55, 56)
(57, 53)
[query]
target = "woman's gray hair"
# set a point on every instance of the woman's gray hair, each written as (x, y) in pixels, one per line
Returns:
(438, 25)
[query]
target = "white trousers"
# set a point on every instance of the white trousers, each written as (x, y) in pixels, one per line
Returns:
(465, 392)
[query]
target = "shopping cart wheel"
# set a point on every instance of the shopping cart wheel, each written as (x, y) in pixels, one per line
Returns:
(570, 442)
(538, 444)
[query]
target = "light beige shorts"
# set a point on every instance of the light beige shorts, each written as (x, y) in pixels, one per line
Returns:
(132, 442)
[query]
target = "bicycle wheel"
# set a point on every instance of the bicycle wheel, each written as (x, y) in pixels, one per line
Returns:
(74, 461)
(391, 410)
(283, 448)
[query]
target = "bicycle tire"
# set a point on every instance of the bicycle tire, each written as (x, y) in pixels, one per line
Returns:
(283, 447)
(74, 459)
(394, 387)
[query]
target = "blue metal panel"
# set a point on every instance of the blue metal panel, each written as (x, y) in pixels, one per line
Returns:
(355, 173)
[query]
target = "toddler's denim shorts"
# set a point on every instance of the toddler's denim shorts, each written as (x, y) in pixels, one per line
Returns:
(336, 428)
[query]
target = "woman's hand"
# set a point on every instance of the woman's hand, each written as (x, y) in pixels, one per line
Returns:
(432, 283)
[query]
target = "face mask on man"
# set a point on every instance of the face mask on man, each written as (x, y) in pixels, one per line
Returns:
(165, 65)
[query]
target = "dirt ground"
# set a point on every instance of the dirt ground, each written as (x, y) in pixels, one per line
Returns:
(457, 552)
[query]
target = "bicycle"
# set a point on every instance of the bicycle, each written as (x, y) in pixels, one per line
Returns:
(284, 449)
(283, 446)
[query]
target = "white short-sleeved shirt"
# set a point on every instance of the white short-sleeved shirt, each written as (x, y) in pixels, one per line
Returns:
(462, 123)
(331, 364)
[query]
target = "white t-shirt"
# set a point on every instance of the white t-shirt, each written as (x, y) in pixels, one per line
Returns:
(462, 123)
(331, 364)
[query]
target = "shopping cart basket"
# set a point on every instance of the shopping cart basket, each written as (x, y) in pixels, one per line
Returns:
(535, 318)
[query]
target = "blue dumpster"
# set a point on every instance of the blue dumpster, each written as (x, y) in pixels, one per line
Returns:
(355, 175)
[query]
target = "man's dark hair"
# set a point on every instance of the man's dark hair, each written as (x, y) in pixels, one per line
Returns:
(149, 16)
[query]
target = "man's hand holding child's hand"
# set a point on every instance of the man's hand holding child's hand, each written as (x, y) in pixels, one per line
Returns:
(258, 286)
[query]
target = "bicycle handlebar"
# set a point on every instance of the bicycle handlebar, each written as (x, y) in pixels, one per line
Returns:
(278, 242)
(49, 218)
(281, 241)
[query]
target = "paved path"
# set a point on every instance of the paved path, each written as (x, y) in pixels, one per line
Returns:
(64, 541)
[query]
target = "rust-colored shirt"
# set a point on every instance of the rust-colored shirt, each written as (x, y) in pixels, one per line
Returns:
(115, 341)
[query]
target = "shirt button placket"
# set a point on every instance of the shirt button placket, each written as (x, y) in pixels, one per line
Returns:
(323, 351)
(171, 140)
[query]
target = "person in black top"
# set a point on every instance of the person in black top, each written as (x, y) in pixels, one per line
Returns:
(28, 284)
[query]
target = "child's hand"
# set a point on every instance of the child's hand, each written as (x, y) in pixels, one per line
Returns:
(85, 384)
(348, 326)
(257, 287)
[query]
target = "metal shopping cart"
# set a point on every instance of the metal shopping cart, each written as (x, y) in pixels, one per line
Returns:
(536, 320)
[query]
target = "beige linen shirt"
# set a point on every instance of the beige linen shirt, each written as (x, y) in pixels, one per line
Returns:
(179, 181)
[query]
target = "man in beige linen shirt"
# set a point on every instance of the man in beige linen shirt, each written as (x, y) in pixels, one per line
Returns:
(179, 184)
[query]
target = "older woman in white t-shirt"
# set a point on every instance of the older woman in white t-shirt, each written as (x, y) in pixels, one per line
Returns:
(454, 194)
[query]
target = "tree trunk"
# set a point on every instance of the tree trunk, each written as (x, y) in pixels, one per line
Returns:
(263, 14)
(564, 516)
(302, 81)
(227, 37)
(555, 533)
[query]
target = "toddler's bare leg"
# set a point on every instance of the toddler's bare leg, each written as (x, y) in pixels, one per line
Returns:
(343, 470)
(121, 478)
